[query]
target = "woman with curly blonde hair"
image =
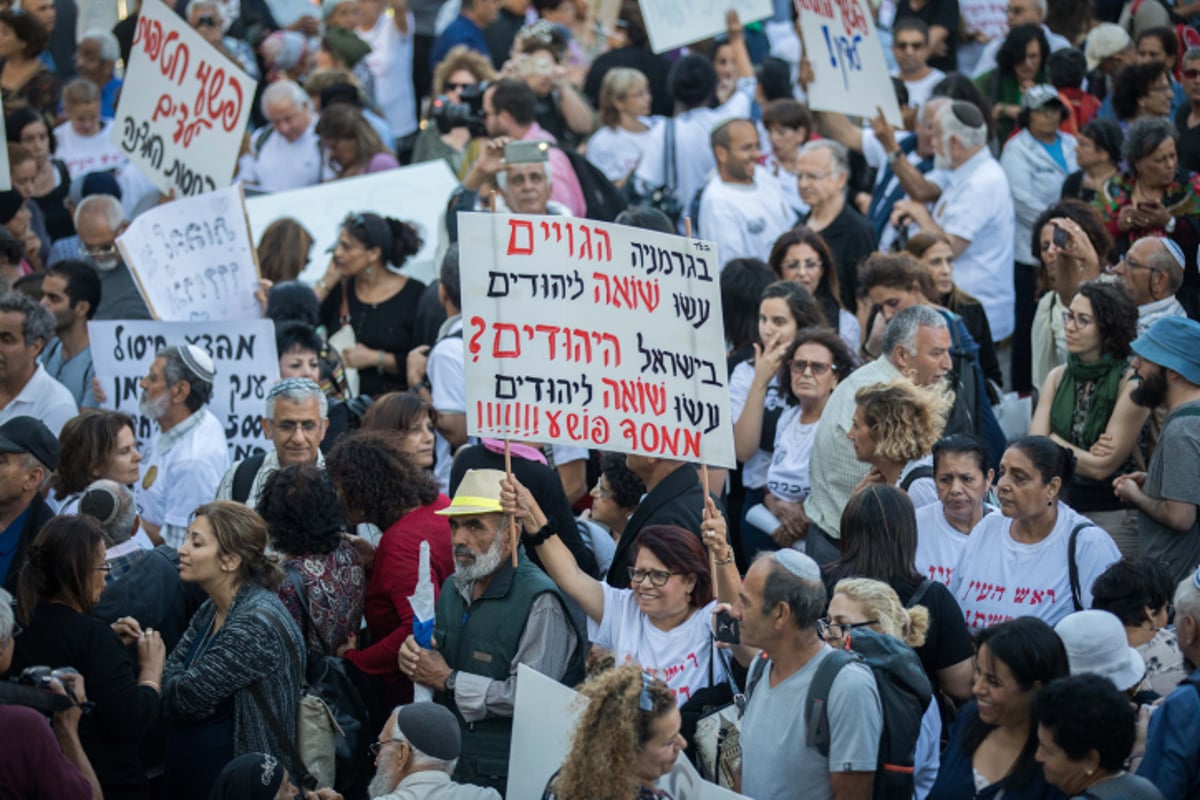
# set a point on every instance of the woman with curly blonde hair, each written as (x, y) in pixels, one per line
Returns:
(866, 603)
(461, 70)
(628, 737)
(894, 428)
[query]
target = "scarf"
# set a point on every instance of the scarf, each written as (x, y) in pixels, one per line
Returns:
(1106, 373)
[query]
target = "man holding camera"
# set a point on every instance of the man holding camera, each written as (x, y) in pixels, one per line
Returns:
(36, 764)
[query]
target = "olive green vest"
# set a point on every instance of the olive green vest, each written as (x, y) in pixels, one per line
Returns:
(482, 639)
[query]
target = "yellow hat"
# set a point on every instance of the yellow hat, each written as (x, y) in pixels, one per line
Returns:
(478, 493)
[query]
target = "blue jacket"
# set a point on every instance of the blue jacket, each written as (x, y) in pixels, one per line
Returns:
(1172, 761)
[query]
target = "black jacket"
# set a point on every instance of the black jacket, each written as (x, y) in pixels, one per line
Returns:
(39, 515)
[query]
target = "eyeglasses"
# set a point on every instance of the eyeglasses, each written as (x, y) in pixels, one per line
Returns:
(817, 368)
(104, 251)
(1191, 74)
(808, 264)
(377, 746)
(1131, 264)
(838, 630)
(812, 177)
(289, 426)
(459, 87)
(908, 45)
(1076, 320)
(658, 577)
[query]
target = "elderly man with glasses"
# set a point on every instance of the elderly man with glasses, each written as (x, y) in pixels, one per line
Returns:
(1152, 271)
(99, 220)
(416, 753)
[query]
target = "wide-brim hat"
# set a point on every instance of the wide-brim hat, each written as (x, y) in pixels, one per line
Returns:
(478, 493)
(1096, 645)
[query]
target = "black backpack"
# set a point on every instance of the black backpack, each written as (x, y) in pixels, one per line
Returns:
(904, 694)
(604, 200)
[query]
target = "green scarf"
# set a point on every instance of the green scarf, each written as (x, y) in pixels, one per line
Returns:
(1106, 373)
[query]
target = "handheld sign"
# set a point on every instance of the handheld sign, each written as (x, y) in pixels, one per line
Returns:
(850, 74)
(674, 23)
(5, 167)
(595, 335)
(418, 194)
(193, 259)
(183, 106)
(244, 355)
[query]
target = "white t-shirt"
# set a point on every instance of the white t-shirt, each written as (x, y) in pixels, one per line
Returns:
(998, 578)
(84, 154)
(448, 393)
(922, 491)
(44, 398)
(939, 545)
(680, 657)
(787, 477)
(788, 184)
(390, 63)
(754, 470)
(920, 89)
(976, 205)
(693, 149)
(616, 151)
(744, 220)
(280, 165)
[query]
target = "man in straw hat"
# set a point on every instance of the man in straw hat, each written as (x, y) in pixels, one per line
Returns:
(1166, 496)
(185, 462)
(490, 618)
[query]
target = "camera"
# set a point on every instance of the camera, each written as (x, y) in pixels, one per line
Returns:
(41, 678)
(32, 690)
(467, 113)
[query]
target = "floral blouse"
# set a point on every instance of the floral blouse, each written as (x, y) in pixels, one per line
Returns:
(42, 92)
(1181, 198)
(336, 586)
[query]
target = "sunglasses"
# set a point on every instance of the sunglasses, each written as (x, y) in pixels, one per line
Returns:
(645, 701)
(817, 368)
(1191, 74)
(459, 87)
(908, 45)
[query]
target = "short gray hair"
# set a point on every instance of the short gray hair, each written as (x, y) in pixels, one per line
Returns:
(902, 330)
(110, 49)
(285, 90)
(806, 599)
(7, 618)
(39, 323)
(1040, 5)
(104, 205)
(297, 390)
(502, 175)
(1187, 599)
(1145, 136)
(175, 370)
(119, 527)
(839, 156)
(1164, 261)
(421, 760)
(970, 138)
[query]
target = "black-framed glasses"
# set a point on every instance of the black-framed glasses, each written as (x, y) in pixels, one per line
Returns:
(377, 746)
(460, 87)
(658, 577)
(908, 45)
(1190, 74)
(817, 368)
(105, 251)
(838, 630)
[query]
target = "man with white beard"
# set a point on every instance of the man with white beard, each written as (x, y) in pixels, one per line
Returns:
(185, 461)
(415, 754)
(491, 617)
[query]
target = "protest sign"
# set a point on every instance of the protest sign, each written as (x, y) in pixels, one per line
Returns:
(674, 23)
(850, 74)
(544, 719)
(183, 106)
(594, 335)
(193, 259)
(417, 194)
(244, 354)
(5, 168)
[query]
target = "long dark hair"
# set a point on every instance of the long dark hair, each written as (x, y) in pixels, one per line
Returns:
(828, 294)
(1034, 655)
(801, 305)
(60, 564)
(879, 538)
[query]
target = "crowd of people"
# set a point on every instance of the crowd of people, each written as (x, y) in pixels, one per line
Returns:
(959, 555)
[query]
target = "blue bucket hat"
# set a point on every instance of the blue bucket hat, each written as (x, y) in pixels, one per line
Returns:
(1171, 343)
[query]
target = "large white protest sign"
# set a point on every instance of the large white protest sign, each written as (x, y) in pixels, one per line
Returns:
(183, 106)
(594, 334)
(847, 60)
(545, 716)
(417, 194)
(674, 23)
(5, 168)
(244, 354)
(193, 258)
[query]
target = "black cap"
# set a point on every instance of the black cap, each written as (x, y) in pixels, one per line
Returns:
(431, 728)
(30, 435)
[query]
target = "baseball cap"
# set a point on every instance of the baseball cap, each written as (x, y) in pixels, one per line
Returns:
(30, 435)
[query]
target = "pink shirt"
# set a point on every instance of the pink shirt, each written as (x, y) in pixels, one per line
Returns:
(565, 187)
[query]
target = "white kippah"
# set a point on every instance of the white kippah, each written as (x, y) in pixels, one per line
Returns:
(198, 362)
(1175, 250)
(799, 564)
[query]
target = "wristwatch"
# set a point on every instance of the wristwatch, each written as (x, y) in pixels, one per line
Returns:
(1170, 226)
(892, 158)
(451, 680)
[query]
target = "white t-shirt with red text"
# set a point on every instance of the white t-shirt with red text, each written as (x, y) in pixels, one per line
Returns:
(84, 154)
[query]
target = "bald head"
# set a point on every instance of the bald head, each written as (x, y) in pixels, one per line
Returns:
(1151, 270)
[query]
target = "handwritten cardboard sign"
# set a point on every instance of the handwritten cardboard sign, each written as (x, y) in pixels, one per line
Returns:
(849, 69)
(193, 258)
(595, 335)
(183, 106)
(244, 355)
(545, 716)
(416, 194)
(674, 23)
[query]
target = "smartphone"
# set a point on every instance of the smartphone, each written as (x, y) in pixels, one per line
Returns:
(1059, 237)
(729, 630)
(526, 152)
(1149, 206)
